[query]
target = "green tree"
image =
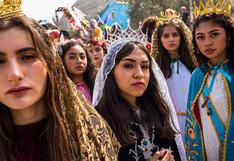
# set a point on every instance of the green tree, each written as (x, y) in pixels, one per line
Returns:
(140, 9)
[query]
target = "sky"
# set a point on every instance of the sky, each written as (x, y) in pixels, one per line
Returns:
(43, 9)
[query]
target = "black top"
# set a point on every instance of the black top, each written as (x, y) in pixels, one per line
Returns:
(135, 150)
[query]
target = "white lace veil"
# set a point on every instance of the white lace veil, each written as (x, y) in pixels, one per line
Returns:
(107, 64)
(106, 67)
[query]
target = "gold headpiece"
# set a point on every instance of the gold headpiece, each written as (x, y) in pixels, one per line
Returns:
(210, 7)
(168, 15)
(10, 8)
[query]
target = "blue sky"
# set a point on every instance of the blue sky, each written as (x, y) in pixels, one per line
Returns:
(43, 9)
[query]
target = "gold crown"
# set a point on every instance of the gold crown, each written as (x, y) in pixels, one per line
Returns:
(210, 7)
(10, 8)
(166, 16)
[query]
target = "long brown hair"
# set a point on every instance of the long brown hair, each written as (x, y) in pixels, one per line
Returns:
(56, 130)
(185, 54)
(118, 112)
(70, 117)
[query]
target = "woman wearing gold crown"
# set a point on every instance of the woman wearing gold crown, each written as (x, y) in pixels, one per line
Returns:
(209, 120)
(172, 49)
(42, 116)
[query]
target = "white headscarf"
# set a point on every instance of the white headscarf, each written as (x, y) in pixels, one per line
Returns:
(106, 67)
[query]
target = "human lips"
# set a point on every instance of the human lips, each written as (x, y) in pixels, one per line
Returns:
(172, 45)
(79, 67)
(18, 90)
(138, 84)
(96, 58)
(209, 51)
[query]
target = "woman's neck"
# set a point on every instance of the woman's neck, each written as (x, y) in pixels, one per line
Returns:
(134, 105)
(222, 57)
(213, 62)
(131, 100)
(77, 79)
(97, 66)
(29, 115)
(174, 55)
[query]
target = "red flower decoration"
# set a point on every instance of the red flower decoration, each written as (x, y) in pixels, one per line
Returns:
(97, 43)
(148, 45)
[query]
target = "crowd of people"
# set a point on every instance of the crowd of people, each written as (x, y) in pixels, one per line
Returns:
(161, 92)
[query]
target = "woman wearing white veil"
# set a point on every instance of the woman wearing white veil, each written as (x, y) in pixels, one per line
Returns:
(133, 123)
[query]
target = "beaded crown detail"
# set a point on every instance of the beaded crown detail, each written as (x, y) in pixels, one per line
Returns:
(119, 35)
(168, 15)
(10, 8)
(220, 7)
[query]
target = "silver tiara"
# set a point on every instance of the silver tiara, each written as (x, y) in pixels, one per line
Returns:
(120, 35)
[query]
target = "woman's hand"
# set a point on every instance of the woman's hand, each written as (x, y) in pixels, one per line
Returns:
(163, 155)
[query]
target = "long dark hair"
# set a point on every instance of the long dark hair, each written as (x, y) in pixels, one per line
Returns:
(163, 58)
(224, 22)
(89, 73)
(56, 133)
(119, 113)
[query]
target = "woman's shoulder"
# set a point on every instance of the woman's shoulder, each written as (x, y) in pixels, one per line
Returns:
(197, 70)
(197, 74)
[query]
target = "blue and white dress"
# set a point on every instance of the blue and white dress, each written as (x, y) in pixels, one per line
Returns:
(209, 120)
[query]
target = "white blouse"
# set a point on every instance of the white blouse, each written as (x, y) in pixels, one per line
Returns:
(178, 85)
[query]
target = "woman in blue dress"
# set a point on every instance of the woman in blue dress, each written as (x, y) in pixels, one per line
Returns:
(209, 120)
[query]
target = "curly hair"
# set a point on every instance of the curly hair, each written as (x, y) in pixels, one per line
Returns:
(224, 22)
(162, 56)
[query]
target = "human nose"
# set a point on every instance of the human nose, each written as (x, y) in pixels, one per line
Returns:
(95, 53)
(78, 59)
(15, 73)
(171, 38)
(138, 73)
(207, 42)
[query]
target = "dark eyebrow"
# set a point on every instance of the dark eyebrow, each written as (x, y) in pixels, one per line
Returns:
(20, 51)
(25, 49)
(171, 32)
(128, 59)
(165, 33)
(147, 61)
(132, 60)
(71, 53)
(215, 30)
